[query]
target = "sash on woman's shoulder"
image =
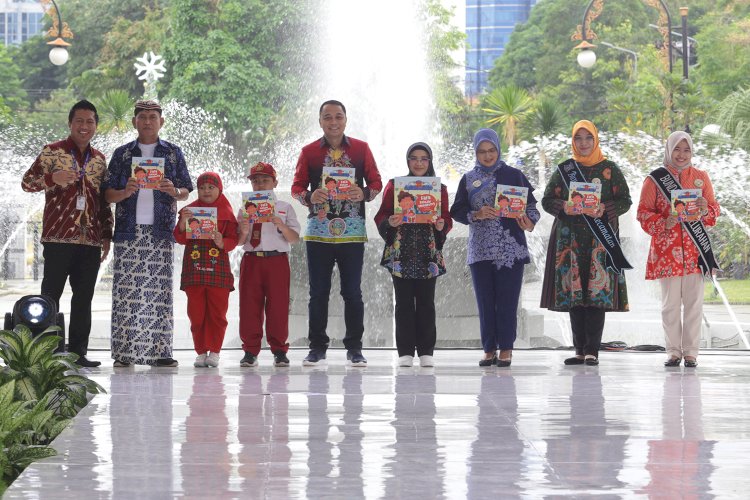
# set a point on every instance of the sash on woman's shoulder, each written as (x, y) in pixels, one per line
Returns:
(666, 183)
(603, 232)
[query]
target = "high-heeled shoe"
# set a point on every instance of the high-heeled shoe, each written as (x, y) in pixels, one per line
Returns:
(488, 362)
(672, 362)
(503, 362)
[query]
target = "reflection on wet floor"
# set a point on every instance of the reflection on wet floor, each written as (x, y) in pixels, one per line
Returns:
(628, 428)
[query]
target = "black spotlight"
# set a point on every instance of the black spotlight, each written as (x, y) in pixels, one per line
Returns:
(37, 312)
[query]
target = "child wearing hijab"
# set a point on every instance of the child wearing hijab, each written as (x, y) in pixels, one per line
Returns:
(583, 273)
(674, 258)
(497, 248)
(207, 275)
(413, 255)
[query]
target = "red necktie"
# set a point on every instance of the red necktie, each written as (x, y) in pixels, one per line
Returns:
(255, 234)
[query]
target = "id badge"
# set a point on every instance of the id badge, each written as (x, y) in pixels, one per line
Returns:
(81, 202)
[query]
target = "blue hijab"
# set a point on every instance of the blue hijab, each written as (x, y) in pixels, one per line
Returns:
(487, 135)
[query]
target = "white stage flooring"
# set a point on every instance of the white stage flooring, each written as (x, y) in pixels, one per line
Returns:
(629, 428)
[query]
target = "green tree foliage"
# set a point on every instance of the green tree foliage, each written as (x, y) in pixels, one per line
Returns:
(115, 109)
(230, 58)
(454, 113)
(734, 118)
(12, 95)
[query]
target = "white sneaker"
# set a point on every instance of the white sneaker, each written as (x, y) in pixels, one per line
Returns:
(200, 361)
(406, 361)
(426, 361)
(212, 359)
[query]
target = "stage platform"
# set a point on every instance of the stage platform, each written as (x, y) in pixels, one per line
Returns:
(629, 428)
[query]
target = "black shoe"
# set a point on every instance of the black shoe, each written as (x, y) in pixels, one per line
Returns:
(691, 363)
(167, 362)
(250, 360)
(503, 363)
(314, 357)
(280, 359)
(84, 362)
(591, 361)
(574, 361)
(355, 358)
(489, 362)
(671, 362)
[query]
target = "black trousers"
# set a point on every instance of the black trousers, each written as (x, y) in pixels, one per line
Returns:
(587, 324)
(80, 263)
(415, 316)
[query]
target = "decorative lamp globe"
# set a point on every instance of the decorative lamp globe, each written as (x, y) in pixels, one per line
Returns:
(58, 56)
(586, 58)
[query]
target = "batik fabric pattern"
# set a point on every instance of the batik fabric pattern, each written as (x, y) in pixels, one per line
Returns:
(142, 313)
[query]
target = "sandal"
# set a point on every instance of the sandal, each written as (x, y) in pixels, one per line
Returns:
(691, 363)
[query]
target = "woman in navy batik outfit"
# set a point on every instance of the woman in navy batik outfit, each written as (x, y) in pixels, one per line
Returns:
(497, 248)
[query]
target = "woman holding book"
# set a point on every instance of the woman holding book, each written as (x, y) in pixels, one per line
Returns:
(583, 273)
(497, 250)
(207, 275)
(673, 258)
(413, 255)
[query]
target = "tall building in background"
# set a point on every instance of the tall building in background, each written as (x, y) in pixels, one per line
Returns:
(489, 24)
(20, 20)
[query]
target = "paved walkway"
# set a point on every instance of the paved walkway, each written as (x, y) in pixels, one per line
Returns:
(626, 429)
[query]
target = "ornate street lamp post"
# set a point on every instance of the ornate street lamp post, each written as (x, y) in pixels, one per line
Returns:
(58, 55)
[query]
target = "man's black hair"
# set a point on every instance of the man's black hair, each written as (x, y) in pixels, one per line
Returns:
(83, 104)
(334, 103)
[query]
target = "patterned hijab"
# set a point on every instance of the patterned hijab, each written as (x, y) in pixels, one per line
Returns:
(487, 135)
(224, 211)
(422, 147)
(672, 141)
(596, 155)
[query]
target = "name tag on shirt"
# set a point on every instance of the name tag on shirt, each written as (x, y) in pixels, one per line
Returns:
(81, 202)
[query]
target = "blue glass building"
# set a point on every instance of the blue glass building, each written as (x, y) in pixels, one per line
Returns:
(489, 24)
(20, 20)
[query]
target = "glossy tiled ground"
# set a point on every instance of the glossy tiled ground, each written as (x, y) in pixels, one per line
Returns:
(626, 429)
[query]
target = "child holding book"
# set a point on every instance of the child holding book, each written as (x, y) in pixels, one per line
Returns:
(674, 259)
(413, 255)
(207, 275)
(265, 274)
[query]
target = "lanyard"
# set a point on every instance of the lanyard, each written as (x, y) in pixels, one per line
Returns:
(82, 171)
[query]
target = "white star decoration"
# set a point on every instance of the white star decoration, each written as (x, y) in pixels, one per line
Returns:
(151, 67)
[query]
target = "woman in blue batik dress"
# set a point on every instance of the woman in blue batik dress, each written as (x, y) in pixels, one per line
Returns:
(497, 250)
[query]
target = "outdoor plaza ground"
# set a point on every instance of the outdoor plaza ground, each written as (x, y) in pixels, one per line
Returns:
(629, 428)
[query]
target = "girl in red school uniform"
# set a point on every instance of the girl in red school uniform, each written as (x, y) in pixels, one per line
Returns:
(207, 276)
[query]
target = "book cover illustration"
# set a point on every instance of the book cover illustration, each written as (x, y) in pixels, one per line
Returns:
(337, 181)
(417, 199)
(202, 223)
(684, 205)
(510, 201)
(259, 206)
(148, 171)
(585, 197)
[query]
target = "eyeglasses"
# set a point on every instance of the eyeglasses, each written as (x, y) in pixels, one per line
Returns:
(418, 159)
(491, 151)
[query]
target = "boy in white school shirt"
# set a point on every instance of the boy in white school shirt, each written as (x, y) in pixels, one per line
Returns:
(265, 274)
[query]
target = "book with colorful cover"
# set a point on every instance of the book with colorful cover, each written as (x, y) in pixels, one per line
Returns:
(259, 206)
(148, 171)
(585, 197)
(202, 223)
(510, 201)
(417, 199)
(684, 205)
(337, 181)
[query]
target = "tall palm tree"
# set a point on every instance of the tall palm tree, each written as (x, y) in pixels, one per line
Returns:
(507, 106)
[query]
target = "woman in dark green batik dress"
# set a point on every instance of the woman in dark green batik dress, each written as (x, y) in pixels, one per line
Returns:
(576, 278)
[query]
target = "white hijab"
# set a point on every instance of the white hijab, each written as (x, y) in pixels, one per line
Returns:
(672, 141)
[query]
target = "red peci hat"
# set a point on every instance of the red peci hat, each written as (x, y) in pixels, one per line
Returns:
(262, 168)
